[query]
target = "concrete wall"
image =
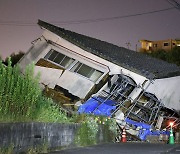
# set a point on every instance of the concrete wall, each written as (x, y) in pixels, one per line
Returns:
(24, 135)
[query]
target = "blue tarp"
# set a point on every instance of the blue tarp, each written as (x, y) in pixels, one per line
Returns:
(100, 106)
(88, 107)
(145, 129)
(97, 106)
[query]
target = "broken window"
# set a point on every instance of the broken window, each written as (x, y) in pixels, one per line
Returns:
(87, 71)
(166, 44)
(59, 58)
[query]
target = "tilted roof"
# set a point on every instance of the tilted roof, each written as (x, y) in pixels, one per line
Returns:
(137, 62)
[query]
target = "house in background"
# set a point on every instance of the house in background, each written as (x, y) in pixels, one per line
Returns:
(74, 67)
(151, 46)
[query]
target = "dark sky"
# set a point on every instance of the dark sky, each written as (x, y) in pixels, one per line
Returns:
(18, 20)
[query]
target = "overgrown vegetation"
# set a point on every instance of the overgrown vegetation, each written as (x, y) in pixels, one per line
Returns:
(31, 150)
(21, 98)
(39, 149)
(7, 150)
(171, 56)
(87, 134)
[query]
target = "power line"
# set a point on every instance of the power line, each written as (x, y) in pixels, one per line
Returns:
(17, 24)
(112, 18)
(174, 3)
(21, 23)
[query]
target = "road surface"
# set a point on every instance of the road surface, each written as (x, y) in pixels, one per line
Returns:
(124, 148)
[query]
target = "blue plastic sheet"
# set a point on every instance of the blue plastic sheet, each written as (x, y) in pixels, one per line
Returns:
(145, 129)
(105, 109)
(89, 106)
(100, 106)
(138, 124)
(97, 106)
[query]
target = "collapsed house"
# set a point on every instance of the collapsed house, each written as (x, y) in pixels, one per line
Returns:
(108, 80)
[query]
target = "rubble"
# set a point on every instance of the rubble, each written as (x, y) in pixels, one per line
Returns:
(142, 117)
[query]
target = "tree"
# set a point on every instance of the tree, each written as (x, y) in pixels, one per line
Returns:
(160, 54)
(14, 58)
(172, 56)
(175, 55)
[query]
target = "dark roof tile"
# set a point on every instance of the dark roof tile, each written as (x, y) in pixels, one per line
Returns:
(134, 61)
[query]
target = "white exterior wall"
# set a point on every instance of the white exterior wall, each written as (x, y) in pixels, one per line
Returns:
(74, 83)
(168, 91)
(48, 76)
(91, 60)
(165, 89)
(34, 53)
(79, 86)
(114, 69)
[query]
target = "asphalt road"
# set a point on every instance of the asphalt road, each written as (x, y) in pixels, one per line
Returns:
(124, 148)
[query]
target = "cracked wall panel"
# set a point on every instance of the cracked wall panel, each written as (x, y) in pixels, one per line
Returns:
(75, 84)
(48, 76)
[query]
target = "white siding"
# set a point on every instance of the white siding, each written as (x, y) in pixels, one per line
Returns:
(168, 90)
(48, 76)
(75, 84)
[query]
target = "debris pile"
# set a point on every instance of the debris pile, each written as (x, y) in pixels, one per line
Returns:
(142, 117)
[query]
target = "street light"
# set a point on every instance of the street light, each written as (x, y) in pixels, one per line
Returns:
(171, 124)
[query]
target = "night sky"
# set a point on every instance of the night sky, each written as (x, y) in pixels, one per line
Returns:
(117, 21)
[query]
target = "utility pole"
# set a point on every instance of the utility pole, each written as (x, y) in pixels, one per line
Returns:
(128, 44)
(136, 48)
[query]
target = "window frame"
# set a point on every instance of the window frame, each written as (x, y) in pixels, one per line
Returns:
(76, 67)
(73, 66)
(50, 52)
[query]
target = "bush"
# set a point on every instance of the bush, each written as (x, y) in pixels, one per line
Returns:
(87, 133)
(21, 98)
